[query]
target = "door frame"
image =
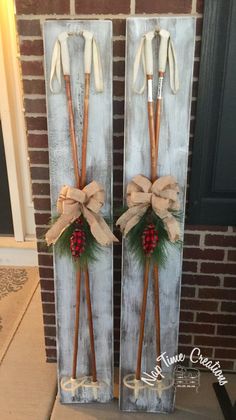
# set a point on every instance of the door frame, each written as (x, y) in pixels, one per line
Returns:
(13, 127)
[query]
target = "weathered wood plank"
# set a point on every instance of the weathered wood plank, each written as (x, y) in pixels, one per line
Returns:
(99, 168)
(173, 156)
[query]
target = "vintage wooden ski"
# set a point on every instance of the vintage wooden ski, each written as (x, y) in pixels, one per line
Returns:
(80, 142)
(150, 298)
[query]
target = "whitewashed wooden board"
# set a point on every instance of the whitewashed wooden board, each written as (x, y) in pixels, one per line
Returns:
(173, 156)
(99, 168)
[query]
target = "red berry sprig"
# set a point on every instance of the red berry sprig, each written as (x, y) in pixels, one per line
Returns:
(78, 239)
(149, 239)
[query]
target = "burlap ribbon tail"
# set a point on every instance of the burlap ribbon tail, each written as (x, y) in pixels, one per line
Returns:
(73, 202)
(161, 196)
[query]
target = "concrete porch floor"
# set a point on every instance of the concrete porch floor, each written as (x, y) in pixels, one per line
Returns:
(28, 385)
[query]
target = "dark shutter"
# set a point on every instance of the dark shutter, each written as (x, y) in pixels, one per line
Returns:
(213, 178)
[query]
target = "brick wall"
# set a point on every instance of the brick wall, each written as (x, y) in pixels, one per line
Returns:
(208, 284)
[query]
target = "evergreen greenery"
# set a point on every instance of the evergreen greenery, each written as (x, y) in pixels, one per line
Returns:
(160, 253)
(92, 247)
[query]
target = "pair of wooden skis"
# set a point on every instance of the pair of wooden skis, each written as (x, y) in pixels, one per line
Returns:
(71, 384)
(145, 53)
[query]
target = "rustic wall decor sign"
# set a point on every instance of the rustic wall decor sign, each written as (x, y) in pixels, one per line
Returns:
(155, 148)
(78, 63)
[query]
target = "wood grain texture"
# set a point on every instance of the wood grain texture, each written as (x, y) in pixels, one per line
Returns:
(173, 156)
(99, 168)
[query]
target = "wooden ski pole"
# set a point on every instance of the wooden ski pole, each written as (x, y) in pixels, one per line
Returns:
(66, 71)
(149, 71)
(163, 49)
(87, 67)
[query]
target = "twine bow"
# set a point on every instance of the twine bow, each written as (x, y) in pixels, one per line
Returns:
(71, 203)
(60, 58)
(162, 196)
(142, 56)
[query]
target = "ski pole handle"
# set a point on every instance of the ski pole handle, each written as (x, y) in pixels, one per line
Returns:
(149, 62)
(163, 49)
(88, 36)
(65, 60)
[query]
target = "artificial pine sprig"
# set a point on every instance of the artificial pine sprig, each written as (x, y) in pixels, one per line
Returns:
(157, 249)
(66, 244)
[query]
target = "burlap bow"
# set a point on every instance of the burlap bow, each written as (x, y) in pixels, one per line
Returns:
(162, 196)
(73, 202)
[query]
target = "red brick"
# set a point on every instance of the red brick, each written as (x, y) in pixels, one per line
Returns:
(221, 240)
(37, 157)
(119, 68)
(28, 47)
(36, 106)
(196, 328)
(29, 27)
(195, 89)
(163, 6)
(218, 268)
(223, 364)
(42, 203)
(186, 316)
(36, 123)
(46, 272)
(193, 110)
(49, 319)
(228, 307)
(215, 341)
(47, 296)
(117, 175)
(185, 339)
(230, 282)
(197, 49)
(45, 259)
(39, 173)
(227, 330)
(42, 218)
(225, 353)
(187, 291)
(232, 255)
(206, 351)
(51, 354)
(118, 190)
(200, 305)
(102, 6)
(50, 331)
(199, 24)
(32, 7)
(118, 88)
(118, 142)
(118, 107)
(118, 125)
(32, 68)
(37, 140)
(206, 254)
(35, 86)
(215, 318)
(216, 293)
(49, 308)
(50, 341)
(41, 189)
(200, 279)
(191, 239)
(200, 5)
(119, 48)
(189, 266)
(47, 284)
(41, 246)
(214, 228)
(119, 27)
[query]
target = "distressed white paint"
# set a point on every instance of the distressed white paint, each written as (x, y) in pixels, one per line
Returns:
(99, 168)
(173, 156)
